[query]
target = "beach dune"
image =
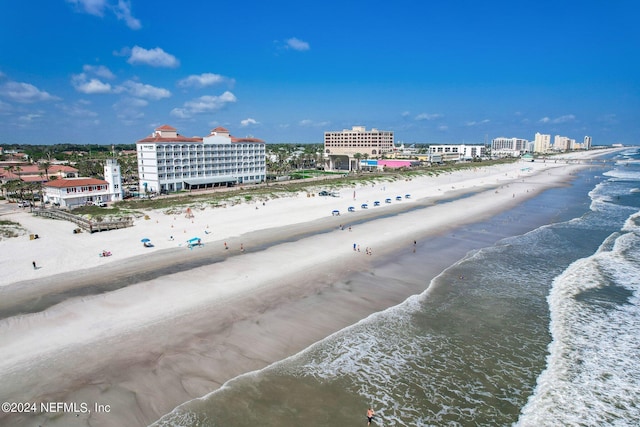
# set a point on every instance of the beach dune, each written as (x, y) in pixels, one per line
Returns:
(135, 334)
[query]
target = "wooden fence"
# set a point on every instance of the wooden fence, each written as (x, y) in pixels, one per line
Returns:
(85, 224)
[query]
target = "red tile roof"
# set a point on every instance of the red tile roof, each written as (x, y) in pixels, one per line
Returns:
(65, 183)
(34, 178)
(154, 138)
(34, 170)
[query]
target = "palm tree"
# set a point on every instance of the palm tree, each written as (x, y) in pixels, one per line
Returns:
(357, 156)
(45, 166)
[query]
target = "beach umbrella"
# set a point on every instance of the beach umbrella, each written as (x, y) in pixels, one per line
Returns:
(145, 240)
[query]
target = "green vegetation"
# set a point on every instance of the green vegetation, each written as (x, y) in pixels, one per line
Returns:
(263, 192)
(10, 229)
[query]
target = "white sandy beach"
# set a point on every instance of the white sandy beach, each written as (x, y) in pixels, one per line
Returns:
(149, 346)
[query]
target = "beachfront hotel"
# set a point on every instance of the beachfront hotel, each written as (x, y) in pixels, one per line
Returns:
(168, 161)
(343, 149)
(509, 147)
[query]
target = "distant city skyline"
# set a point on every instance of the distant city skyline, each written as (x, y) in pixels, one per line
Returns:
(111, 71)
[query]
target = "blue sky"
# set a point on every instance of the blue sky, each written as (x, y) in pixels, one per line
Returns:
(444, 71)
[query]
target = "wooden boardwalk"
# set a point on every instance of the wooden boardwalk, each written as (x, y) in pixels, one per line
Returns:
(87, 225)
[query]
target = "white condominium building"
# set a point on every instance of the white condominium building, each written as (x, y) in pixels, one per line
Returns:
(343, 148)
(168, 161)
(510, 147)
(563, 143)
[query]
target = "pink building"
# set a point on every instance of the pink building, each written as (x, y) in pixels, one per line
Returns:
(395, 164)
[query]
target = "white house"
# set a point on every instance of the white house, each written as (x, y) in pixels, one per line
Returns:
(74, 192)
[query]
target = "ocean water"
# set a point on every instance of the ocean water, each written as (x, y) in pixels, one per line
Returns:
(538, 329)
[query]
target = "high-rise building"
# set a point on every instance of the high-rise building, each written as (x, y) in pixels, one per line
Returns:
(561, 143)
(542, 143)
(586, 145)
(343, 148)
(168, 161)
(511, 147)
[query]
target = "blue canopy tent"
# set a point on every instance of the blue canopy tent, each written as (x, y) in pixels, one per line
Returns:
(194, 241)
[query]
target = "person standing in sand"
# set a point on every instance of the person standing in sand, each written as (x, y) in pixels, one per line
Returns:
(370, 415)
(34, 265)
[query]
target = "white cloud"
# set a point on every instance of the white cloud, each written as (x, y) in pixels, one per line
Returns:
(558, 120)
(99, 70)
(129, 109)
(308, 122)
(443, 128)
(141, 90)
(121, 9)
(154, 57)
(564, 119)
(249, 121)
(92, 7)
(90, 86)
(78, 110)
(24, 93)
(405, 114)
(427, 116)
(29, 117)
(204, 104)
(203, 80)
(123, 12)
(297, 44)
(475, 123)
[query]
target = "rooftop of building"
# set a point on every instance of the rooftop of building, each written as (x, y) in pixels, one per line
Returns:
(75, 182)
(169, 134)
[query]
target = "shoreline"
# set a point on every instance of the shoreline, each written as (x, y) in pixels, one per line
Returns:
(215, 330)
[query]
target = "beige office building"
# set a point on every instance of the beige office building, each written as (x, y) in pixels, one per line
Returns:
(342, 149)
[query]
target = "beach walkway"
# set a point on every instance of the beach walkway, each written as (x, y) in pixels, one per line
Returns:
(85, 224)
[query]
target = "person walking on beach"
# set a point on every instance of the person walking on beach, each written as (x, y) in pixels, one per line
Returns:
(34, 265)
(370, 415)
(354, 247)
